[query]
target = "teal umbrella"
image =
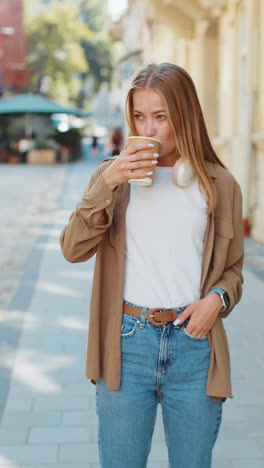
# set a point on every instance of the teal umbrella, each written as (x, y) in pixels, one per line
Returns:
(33, 104)
(29, 104)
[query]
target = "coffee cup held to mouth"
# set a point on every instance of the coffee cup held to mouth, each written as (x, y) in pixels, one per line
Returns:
(155, 149)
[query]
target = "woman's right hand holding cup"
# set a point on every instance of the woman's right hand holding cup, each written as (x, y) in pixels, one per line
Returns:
(137, 156)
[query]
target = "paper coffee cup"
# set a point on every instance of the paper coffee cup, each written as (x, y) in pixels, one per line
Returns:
(132, 140)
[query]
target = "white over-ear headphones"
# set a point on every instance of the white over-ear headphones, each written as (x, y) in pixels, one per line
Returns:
(183, 174)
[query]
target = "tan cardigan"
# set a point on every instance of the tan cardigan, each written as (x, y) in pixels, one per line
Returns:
(222, 265)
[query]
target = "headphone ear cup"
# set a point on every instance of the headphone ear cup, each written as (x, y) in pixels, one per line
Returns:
(183, 174)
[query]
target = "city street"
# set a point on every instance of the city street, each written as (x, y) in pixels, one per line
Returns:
(47, 406)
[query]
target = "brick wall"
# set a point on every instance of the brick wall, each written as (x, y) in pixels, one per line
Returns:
(13, 73)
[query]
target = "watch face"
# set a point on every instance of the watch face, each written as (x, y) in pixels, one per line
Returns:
(226, 299)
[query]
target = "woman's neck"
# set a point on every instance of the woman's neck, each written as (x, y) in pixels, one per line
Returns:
(168, 160)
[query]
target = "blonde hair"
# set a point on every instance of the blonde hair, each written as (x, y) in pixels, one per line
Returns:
(185, 116)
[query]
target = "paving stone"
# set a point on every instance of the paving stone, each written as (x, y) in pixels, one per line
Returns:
(78, 453)
(152, 464)
(59, 465)
(56, 435)
(71, 376)
(4, 463)
(13, 436)
(158, 452)
(18, 216)
(254, 412)
(29, 419)
(222, 464)
(85, 388)
(61, 402)
(248, 430)
(158, 435)
(20, 454)
(236, 449)
(19, 404)
(250, 463)
(78, 418)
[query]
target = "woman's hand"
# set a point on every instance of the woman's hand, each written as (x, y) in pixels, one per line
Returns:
(203, 314)
(129, 159)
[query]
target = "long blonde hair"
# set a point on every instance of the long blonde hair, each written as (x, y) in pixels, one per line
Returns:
(185, 116)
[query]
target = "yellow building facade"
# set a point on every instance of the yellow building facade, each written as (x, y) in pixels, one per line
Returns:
(219, 42)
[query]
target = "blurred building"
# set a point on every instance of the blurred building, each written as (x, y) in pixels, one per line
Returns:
(220, 43)
(13, 73)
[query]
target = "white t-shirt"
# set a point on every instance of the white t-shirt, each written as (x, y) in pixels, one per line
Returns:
(165, 228)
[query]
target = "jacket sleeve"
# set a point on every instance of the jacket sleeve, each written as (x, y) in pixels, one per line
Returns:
(232, 279)
(92, 217)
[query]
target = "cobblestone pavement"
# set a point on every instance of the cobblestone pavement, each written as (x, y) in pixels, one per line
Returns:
(28, 197)
(47, 406)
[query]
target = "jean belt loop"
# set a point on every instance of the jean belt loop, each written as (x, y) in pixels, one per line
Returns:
(143, 318)
(178, 310)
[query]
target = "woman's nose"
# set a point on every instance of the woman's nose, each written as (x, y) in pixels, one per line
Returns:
(150, 128)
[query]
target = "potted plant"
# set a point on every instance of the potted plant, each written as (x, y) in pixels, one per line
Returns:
(44, 152)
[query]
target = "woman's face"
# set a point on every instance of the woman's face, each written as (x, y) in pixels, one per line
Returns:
(151, 120)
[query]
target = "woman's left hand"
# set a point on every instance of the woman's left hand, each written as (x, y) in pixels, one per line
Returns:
(203, 314)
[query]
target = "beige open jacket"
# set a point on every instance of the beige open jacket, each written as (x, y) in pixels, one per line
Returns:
(221, 268)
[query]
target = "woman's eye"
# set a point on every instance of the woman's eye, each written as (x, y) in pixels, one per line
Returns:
(138, 116)
(161, 116)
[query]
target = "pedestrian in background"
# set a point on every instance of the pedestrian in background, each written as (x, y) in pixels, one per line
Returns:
(94, 145)
(168, 270)
(24, 145)
(115, 142)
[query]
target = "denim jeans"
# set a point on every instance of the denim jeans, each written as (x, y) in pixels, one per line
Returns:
(163, 365)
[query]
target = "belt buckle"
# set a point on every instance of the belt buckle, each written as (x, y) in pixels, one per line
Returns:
(151, 317)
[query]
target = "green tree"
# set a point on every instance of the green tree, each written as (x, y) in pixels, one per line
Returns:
(98, 50)
(53, 48)
(93, 13)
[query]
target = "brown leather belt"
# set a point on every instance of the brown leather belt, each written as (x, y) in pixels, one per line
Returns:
(157, 317)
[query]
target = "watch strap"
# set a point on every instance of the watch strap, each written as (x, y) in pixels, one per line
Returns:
(221, 294)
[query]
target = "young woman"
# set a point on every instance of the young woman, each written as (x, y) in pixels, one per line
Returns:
(168, 270)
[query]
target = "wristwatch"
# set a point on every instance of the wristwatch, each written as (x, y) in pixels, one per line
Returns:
(224, 298)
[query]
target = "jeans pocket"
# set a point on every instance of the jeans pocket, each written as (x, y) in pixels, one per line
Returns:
(130, 326)
(191, 337)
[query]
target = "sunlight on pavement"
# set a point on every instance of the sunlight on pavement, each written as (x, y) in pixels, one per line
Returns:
(11, 318)
(48, 246)
(44, 231)
(31, 368)
(5, 462)
(57, 289)
(72, 323)
(77, 274)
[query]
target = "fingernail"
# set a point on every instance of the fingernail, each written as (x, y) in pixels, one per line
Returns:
(154, 162)
(176, 322)
(156, 155)
(151, 145)
(150, 173)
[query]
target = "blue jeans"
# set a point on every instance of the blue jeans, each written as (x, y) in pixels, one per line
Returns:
(163, 365)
